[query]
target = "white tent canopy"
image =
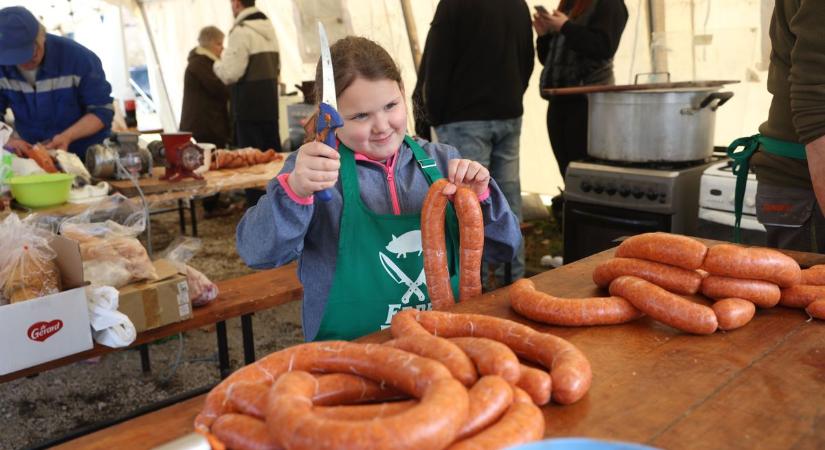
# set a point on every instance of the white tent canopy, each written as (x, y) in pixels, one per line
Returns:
(703, 39)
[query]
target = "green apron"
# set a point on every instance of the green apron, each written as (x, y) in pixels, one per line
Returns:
(741, 166)
(379, 268)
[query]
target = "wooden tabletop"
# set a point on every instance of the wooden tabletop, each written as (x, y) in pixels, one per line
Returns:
(761, 386)
(243, 295)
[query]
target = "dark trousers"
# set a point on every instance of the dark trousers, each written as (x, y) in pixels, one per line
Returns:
(261, 134)
(567, 128)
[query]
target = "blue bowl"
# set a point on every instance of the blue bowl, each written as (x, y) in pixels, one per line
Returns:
(580, 444)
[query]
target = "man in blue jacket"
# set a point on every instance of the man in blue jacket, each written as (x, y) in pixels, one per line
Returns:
(55, 87)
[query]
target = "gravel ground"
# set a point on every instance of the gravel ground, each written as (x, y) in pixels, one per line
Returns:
(38, 409)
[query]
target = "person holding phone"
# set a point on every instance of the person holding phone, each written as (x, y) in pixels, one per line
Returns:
(576, 43)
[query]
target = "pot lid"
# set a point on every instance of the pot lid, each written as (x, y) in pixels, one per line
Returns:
(663, 87)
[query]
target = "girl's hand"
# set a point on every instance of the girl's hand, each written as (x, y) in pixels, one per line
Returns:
(464, 172)
(316, 169)
(557, 20)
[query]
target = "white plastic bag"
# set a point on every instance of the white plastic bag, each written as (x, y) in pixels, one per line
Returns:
(111, 327)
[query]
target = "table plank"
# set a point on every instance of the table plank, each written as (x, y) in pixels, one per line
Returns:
(762, 385)
(236, 297)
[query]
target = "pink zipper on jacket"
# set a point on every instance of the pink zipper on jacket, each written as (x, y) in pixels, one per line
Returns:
(389, 169)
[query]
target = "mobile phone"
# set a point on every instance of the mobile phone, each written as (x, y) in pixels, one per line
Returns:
(541, 9)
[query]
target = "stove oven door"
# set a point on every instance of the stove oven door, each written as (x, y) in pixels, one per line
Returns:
(590, 228)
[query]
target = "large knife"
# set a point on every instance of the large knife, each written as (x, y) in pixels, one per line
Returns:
(328, 117)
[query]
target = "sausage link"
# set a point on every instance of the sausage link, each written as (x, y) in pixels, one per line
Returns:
(490, 357)
(432, 423)
(763, 294)
(537, 383)
(674, 279)
(568, 366)
(814, 275)
(434, 245)
(816, 309)
(489, 399)
(398, 369)
(664, 306)
(240, 432)
(543, 307)
(523, 422)
(441, 350)
(673, 249)
(732, 313)
(801, 295)
(364, 412)
(471, 236)
(754, 263)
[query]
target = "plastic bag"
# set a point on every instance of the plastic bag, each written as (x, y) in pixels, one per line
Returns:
(202, 291)
(111, 254)
(27, 266)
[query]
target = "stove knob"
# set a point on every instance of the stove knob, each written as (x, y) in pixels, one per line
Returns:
(585, 186)
(637, 193)
(611, 189)
(624, 191)
(652, 195)
(598, 189)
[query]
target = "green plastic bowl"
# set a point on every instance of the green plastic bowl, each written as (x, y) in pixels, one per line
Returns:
(42, 190)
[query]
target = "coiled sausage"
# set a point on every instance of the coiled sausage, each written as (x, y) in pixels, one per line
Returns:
(763, 294)
(732, 313)
(673, 249)
(755, 263)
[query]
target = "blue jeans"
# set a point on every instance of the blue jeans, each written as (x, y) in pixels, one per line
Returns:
(494, 144)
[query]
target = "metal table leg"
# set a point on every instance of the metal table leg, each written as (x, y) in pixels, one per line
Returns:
(223, 349)
(248, 339)
(181, 217)
(193, 214)
(145, 363)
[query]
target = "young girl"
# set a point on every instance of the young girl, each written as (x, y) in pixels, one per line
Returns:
(360, 258)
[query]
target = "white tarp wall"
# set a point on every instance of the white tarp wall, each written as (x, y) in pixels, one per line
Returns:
(705, 39)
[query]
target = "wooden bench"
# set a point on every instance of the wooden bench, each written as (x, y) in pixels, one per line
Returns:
(240, 296)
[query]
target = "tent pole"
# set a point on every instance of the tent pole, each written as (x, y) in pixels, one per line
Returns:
(157, 61)
(412, 33)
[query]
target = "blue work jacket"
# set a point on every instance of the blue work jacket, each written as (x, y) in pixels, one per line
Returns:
(70, 83)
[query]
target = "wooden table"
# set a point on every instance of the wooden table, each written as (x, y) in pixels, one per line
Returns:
(762, 386)
(237, 297)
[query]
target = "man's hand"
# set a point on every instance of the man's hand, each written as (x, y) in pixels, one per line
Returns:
(557, 20)
(60, 141)
(541, 22)
(18, 145)
(816, 166)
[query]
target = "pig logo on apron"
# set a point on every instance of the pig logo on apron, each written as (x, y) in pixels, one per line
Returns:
(409, 242)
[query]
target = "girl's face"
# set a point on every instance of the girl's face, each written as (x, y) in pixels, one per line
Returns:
(375, 117)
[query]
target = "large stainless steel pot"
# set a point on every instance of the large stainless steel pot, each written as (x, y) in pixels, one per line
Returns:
(655, 122)
(653, 125)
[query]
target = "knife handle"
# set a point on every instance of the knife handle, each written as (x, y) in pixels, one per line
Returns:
(328, 121)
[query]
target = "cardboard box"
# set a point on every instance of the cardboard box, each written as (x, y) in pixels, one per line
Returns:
(157, 303)
(50, 327)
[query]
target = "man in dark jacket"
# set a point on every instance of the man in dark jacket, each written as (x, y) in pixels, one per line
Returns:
(476, 65)
(205, 104)
(205, 97)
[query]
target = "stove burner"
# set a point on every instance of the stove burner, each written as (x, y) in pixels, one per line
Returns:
(659, 165)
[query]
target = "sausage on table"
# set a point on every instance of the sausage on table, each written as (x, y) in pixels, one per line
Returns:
(801, 295)
(542, 307)
(489, 399)
(816, 309)
(673, 249)
(814, 275)
(442, 350)
(523, 422)
(490, 357)
(664, 306)
(536, 383)
(241, 432)
(732, 313)
(674, 279)
(763, 294)
(754, 263)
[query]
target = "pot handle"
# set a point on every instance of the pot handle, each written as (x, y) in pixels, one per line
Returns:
(636, 77)
(723, 98)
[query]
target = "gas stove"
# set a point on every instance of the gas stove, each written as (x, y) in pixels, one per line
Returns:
(673, 191)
